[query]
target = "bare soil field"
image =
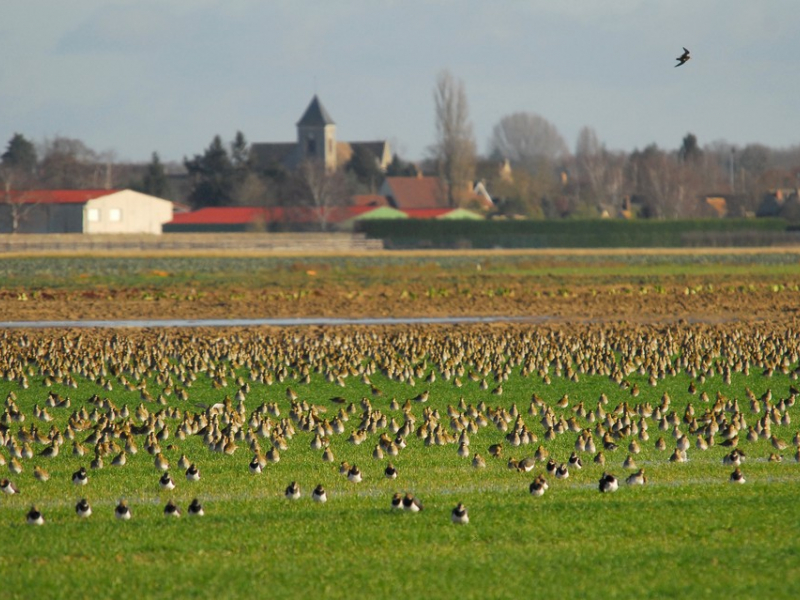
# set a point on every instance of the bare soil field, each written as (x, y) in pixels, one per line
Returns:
(616, 285)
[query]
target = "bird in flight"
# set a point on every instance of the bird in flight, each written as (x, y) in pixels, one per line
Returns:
(683, 57)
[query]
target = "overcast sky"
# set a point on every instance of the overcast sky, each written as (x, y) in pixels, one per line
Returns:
(137, 76)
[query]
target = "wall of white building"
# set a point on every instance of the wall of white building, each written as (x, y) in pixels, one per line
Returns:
(126, 211)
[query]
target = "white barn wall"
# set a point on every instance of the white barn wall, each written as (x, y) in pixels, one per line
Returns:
(140, 213)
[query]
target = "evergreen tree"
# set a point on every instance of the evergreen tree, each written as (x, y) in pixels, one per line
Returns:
(214, 176)
(400, 168)
(240, 153)
(20, 156)
(154, 181)
(364, 166)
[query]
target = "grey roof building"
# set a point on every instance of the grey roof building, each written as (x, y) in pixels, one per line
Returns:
(316, 140)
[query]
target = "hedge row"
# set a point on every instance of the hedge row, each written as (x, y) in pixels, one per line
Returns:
(418, 233)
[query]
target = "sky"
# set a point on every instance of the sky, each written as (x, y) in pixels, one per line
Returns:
(137, 76)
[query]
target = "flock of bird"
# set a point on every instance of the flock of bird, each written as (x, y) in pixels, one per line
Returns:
(159, 371)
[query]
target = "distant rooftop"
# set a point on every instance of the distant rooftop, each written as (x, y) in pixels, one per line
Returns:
(315, 115)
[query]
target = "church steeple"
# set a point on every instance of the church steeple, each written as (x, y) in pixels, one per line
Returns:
(316, 134)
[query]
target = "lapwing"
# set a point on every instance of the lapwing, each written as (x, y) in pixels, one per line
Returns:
(255, 465)
(192, 473)
(608, 483)
(122, 511)
(411, 503)
(166, 482)
(319, 494)
(80, 477)
(737, 476)
(292, 491)
(34, 517)
(82, 508)
(538, 487)
(459, 515)
(8, 487)
(172, 510)
(196, 509)
(354, 474)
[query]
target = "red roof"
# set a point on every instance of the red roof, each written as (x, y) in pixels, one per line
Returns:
(426, 213)
(218, 215)
(370, 200)
(242, 215)
(416, 192)
(58, 196)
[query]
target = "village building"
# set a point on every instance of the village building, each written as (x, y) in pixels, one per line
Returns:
(82, 211)
(316, 141)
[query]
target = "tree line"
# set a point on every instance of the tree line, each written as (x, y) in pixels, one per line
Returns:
(528, 168)
(544, 179)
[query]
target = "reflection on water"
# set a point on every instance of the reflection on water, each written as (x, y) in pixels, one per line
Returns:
(284, 322)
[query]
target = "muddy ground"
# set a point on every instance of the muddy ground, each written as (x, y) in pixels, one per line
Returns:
(610, 303)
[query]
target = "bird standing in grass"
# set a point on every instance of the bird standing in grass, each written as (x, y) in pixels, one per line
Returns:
(411, 503)
(397, 501)
(737, 476)
(390, 471)
(608, 483)
(192, 473)
(255, 465)
(292, 491)
(122, 511)
(459, 515)
(638, 478)
(82, 508)
(319, 494)
(538, 487)
(166, 482)
(354, 474)
(80, 477)
(172, 510)
(196, 509)
(8, 487)
(34, 517)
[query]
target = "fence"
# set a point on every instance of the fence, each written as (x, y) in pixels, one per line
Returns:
(241, 242)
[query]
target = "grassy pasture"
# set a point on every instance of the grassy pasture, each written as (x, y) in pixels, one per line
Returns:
(687, 532)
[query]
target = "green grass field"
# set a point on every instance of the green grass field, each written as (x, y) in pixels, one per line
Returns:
(688, 531)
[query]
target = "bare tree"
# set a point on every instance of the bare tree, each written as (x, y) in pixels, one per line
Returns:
(15, 204)
(68, 163)
(599, 170)
(454, 149)
(528, 140)
(671, 188)
(322, 190)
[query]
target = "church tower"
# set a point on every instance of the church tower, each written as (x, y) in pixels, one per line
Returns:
(316, 135)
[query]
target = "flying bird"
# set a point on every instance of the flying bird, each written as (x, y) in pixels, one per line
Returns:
(683, 57)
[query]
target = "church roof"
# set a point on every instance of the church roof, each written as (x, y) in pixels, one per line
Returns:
(315, 115)
(265, 155)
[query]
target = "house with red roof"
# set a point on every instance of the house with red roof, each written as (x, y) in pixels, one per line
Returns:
(251, 218)
(82, 211)
(410, 193)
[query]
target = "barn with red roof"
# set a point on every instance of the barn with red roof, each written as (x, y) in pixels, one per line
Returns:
(82, 211)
